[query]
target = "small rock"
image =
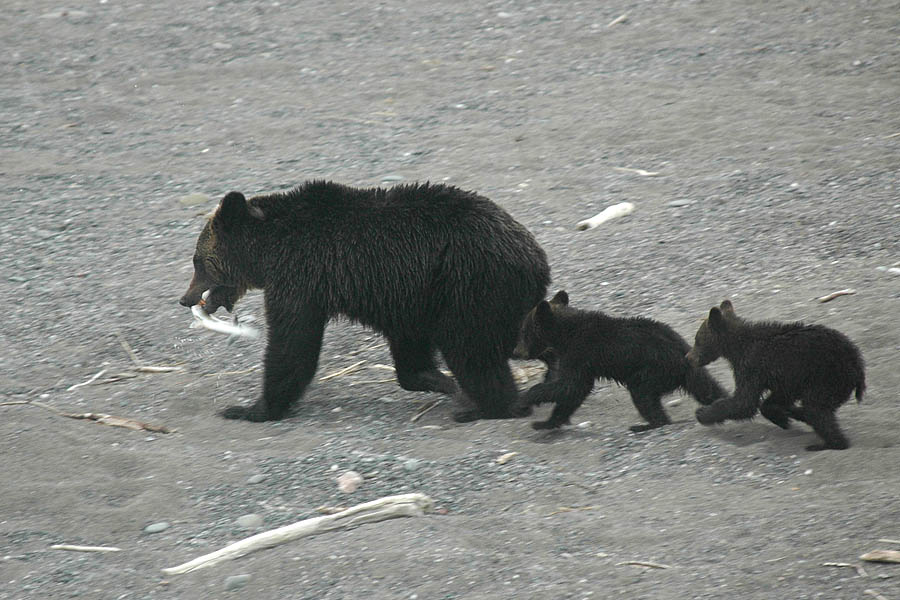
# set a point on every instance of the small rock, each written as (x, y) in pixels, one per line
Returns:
(258, 478)
(679, 203)
(390, 178)
(157, 527)
(807, 472)
(894, 271)
(193, 199)
(412, 464)
(221, 46)
(251, 521)
(236, 582)
(349, 481)
(585, 425)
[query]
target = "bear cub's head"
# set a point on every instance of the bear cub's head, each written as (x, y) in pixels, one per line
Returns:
(537, 329)
(712, 334)
(222, 255)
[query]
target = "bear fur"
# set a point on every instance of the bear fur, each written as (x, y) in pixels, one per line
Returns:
(646, 356)
(812, 364)
(431, 267)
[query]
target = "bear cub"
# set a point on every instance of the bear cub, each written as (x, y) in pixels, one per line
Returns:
(644, 355)
(431, 267)
(812, 364)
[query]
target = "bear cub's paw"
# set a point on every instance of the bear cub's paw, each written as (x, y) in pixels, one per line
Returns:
(706, 416)
(245, 413)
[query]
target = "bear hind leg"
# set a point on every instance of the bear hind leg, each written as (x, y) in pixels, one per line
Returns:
(416, 369)
(486, 392)
(824, 422)
(648, 403)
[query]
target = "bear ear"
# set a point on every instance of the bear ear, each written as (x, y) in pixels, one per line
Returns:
(561, 298)
(716, 319)
(232, 209)
(543, 313)
(727, 306)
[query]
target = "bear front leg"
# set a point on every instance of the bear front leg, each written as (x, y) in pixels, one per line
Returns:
(292, 355)
(567, 393)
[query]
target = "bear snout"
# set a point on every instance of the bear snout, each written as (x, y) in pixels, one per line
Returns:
(692, 359)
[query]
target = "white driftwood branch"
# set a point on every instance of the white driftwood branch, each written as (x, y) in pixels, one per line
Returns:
(74, 548)
(610, 212)
(833, 295)
(389, 507)
(888, 556)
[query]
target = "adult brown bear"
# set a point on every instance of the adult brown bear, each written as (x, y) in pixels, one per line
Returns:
(431, 267)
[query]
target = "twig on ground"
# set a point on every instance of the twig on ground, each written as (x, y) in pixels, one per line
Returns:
(389, 507)
(241, 372)
(161, 369)
(128, 349)
(425, 410)
(859, 570)
(640, 172)
(74, 548)
(88, 382)
(565, 509)
(874, 594)
(888, 541)
(619, 19)
(101, 418)
(354, 367)
(833, 295)
(642, 563)
(361, 382)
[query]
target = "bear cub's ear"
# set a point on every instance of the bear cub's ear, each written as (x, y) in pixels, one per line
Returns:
(543, 314)
(716, 319)
(560, 299)
(234, 209)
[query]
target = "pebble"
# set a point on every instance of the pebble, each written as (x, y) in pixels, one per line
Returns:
(251, 521)
(258, 478)
(349, 481)
(193, 199)
(390, 178)
(412, 464)
(679, 203)
(157, 527)
(236, 582)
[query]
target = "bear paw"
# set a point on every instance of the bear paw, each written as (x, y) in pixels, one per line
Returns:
(707, 416)
(541, 425)
(466, 415)
(246, 413)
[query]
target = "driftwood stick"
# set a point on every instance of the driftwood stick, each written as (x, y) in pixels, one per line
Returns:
(833, 295)
(88, 382)
(643, 563)
(887, 556)
(98, 417)
(74, 548)
(389, 507)
(131, 354)
(887, 541)
(355, 366)
(424, 411)
(610, 212)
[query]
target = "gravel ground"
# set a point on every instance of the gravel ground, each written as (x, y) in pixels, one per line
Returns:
(774, 130)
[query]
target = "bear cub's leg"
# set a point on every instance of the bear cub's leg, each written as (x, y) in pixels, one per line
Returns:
(567, 392)
(647, 401)
(416, 369)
